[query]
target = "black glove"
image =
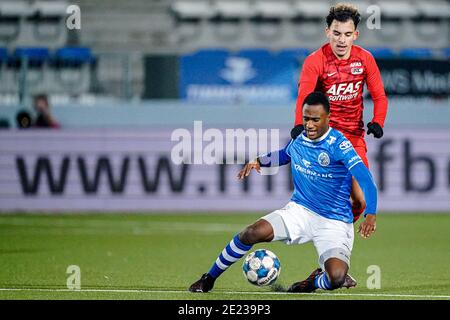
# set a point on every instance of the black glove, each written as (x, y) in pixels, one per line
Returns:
(296, 131)
(375, 129)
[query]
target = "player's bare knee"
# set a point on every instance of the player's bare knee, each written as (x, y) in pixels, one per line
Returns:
(260, 231)
(250, 235)
(337, 278)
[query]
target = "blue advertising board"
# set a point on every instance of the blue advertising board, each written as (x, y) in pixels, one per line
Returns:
(248, 76)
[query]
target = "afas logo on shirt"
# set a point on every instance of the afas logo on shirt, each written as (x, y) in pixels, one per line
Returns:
(356, 64)
(344, 88)
(356, 67)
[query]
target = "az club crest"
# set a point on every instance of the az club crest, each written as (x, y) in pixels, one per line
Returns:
(357, 70)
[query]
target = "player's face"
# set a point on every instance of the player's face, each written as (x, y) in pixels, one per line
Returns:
(41, 105)
(315, 120)
(341, 36)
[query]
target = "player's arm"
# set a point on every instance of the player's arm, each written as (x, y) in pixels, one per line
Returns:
(380, 102)
(344, 151)
(271, 159)
(307, 83)
(369, 188)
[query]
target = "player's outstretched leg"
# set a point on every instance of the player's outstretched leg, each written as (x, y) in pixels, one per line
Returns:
(260, 231)
(234, 250)
(334, 277)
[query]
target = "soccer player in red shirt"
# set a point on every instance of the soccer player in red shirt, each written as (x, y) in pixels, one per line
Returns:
(340, 69)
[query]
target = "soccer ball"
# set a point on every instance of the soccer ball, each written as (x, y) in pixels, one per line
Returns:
(261, 267)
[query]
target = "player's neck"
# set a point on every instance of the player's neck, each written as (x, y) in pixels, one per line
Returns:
(343, 58)
(318, 139)
(346, 57)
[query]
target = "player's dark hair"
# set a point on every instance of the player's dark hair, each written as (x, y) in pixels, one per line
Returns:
(23, 119)
(343, 12)
(315, 98)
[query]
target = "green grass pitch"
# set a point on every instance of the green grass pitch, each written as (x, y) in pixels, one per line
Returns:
(157, 256)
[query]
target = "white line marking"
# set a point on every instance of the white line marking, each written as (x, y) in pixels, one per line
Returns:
(89, 226)
(231, 292)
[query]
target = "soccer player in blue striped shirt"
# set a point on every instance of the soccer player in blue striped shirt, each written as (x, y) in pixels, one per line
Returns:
(323, 162)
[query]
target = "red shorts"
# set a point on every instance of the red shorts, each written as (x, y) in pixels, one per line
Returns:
(360, 147)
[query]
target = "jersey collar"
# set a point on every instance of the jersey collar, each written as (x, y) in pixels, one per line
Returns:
(329, 51)
(318, 139)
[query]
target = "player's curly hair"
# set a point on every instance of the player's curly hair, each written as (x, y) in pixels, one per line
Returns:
(343, 12)
(317, 97)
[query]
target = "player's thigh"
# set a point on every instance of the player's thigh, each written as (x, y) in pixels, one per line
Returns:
(360, 146)
(289, 224)
(333, 239)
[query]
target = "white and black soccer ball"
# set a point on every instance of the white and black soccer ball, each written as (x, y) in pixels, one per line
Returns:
(261, 267)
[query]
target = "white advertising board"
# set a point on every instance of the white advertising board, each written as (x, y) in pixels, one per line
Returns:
(132, 171)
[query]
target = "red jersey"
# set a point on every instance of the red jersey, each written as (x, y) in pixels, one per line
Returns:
(343, 82)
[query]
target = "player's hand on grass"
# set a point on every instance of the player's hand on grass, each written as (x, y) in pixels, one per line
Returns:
(375, 129)
(254, 164)
(368, 226)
